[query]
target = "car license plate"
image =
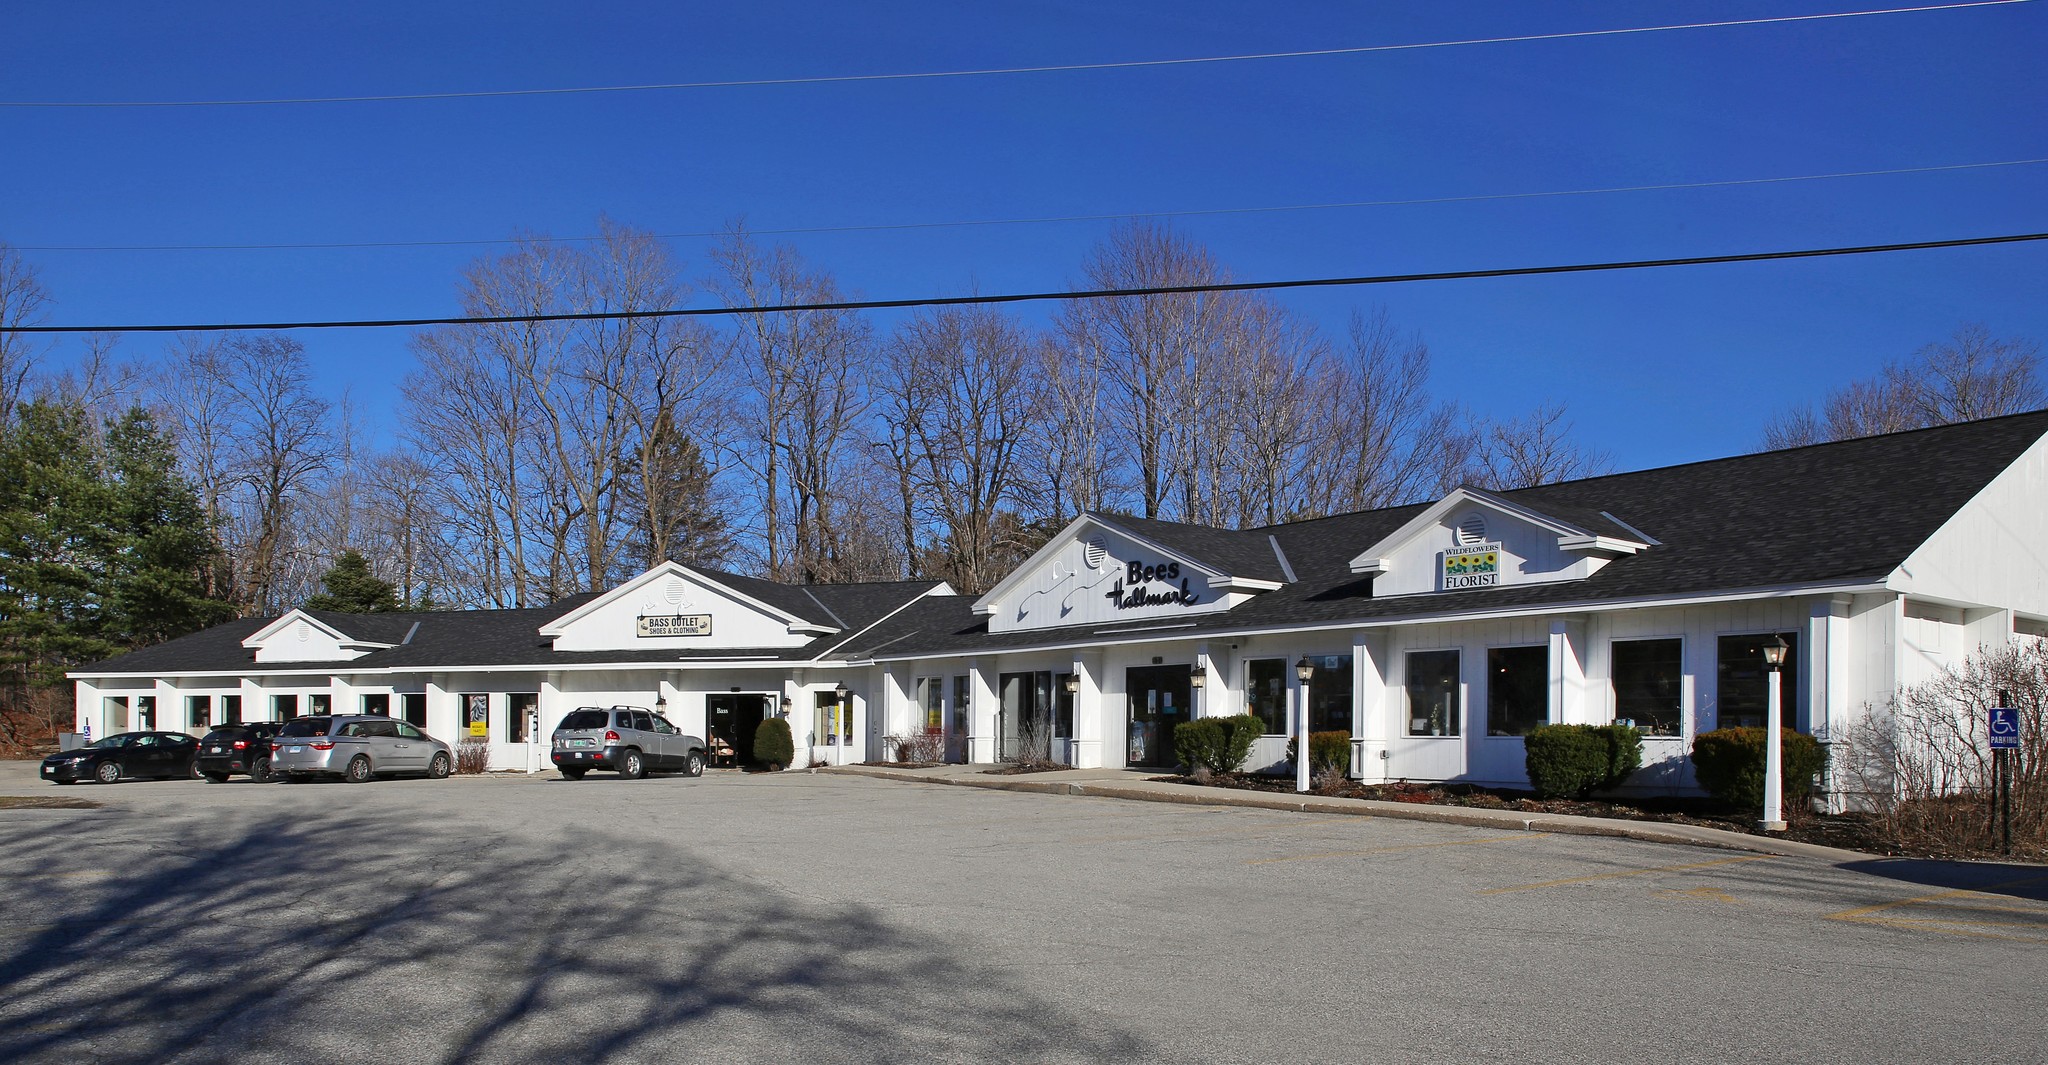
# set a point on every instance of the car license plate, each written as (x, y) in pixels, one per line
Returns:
(217, 750)
(580, 742)
(293, 750)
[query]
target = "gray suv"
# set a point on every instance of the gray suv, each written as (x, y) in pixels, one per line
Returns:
(355, 747)
(633, 740)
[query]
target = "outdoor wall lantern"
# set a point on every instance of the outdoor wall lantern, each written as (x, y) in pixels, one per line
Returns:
(1197, 677)
(1073, 683)
(1774, 784)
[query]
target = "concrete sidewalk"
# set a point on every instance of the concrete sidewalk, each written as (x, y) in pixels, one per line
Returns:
(1136, 784)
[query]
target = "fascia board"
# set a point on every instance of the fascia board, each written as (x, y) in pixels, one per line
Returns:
(670, 568)
(257, 639)
(1786, 591)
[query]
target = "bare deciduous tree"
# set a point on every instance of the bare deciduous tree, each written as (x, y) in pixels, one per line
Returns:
(1971, 375)
(22, 301)
(1525, 452)
(1380, 437)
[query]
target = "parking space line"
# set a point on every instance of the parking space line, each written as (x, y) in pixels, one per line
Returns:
(1628, 872)
(1397, 847)
(1982, 901)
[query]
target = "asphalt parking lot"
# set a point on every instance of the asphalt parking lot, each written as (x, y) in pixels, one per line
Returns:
(802, 917)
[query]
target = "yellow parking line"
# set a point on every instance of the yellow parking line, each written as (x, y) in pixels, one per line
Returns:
(1863, 911)
(1913, 925)
(1628, 872)
(1400, 847)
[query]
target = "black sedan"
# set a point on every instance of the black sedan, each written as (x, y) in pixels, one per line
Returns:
(125, 756)
(243, 748)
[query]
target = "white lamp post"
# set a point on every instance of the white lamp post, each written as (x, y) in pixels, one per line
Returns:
(842, 721)
(1774, 784)
(1303, 670)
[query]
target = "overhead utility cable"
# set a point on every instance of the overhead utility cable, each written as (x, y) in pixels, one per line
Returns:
(1027, 297)
(1044, 219)
(993, 71)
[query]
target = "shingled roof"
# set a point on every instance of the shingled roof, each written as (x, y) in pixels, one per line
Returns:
(1844, 512)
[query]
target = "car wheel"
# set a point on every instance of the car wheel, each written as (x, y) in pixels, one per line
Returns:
(259, 771)
(438, 768)
(693, 764)
(196, 773)
(358, 769)
(108, 772)
(573, 774)
(632, 764)
(215, 778)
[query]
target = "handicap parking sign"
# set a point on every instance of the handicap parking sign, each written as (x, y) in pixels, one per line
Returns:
(2005, 728)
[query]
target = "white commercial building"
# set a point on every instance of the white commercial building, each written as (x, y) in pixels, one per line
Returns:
(1437, 633)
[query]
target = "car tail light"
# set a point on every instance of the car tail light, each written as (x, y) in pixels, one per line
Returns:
(239, 744)
(325, 745)
(611, 736)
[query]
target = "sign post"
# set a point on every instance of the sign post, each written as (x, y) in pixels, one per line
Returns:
(2005, 736)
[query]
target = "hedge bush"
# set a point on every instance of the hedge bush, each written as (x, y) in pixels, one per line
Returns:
(773, 743)
(1328, 752)
(1729, 764)
(1573, 761)
(1217, 744)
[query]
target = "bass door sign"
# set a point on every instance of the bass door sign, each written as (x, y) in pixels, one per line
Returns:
(1138, 576)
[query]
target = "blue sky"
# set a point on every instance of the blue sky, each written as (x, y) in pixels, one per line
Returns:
(1656, 366)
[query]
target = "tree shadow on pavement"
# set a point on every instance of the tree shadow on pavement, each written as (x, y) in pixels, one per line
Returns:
(2018, 879)
(343, 937)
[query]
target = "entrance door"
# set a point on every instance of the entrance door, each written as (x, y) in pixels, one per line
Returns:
(734, 719)
(1159, 701)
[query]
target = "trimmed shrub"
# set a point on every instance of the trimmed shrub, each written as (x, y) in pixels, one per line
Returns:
(1729, 764)
(1573, 761)
(1328, 752)
(774, 746)
(1217, 744)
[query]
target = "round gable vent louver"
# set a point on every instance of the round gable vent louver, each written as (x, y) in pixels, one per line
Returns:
(673, 593)
(305, 632)
(1472, 530)
(1096, 552)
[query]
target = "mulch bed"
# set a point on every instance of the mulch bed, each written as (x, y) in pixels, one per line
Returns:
(1847, 831)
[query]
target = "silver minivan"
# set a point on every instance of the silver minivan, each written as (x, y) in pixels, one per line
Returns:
(356, 747)
(633, 740)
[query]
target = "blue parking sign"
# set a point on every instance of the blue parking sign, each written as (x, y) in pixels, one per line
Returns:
(2005, 728)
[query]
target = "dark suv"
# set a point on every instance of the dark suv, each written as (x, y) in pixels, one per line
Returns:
(232, 749)
(633, 740)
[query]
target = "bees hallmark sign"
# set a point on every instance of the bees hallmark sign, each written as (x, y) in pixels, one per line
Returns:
(674, 625)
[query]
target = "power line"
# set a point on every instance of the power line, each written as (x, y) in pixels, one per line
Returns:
(1028, 297)
(994, 71)
(1047, 219)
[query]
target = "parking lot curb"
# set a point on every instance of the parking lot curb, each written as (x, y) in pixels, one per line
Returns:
(1502, 820)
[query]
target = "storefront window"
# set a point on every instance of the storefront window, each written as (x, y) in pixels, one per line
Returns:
(1649, 685)
(476, 716)
(1062, 708)
(832, 719)
(284, 707)
(1435, 701)
(521, 710)
(1742, 684)
(414, 705)
(319, 703)
(378, 703)
(199, 710)
(1517, 689)
(1027, 714)
(230, 709)
(145, 712)
(1265, 693)
(962, 686)
(931, 695)
(1329, 694)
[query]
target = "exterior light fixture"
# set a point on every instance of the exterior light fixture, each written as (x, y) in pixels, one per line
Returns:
(842, 723)
(1774, 758)
(840, 689)
(660, 704)
(1304, 669)
(1197, 677)
(1073, 683)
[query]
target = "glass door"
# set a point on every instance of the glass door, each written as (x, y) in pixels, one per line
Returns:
(1159, 702)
